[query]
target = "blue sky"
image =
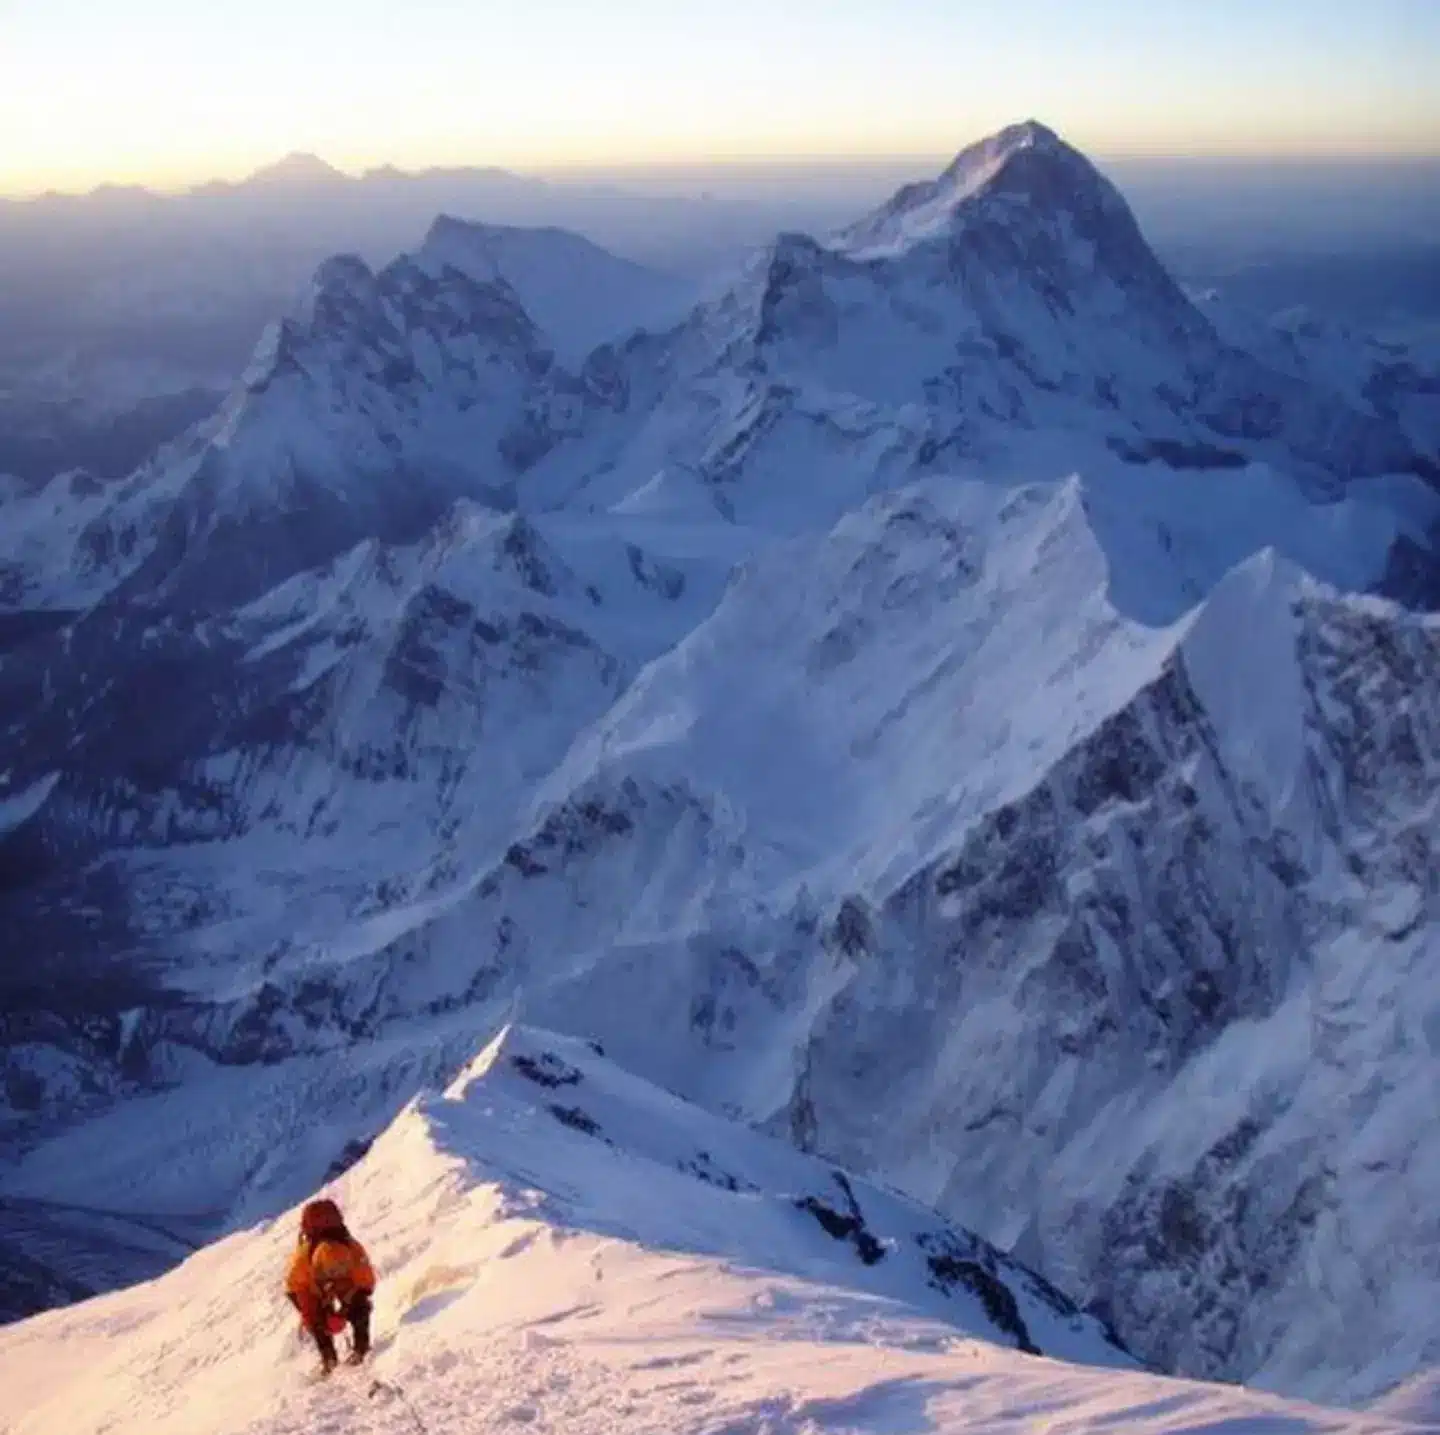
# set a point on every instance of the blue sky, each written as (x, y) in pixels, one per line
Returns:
(170, 91)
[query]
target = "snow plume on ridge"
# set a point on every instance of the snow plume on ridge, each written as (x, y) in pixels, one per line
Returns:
(562, 1246)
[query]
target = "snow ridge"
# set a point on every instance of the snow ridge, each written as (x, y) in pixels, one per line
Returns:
(580, 295)
(561, 1245)
(917, 706)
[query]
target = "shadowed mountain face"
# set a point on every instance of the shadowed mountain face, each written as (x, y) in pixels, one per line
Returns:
(126, 317)
(930, 701)
(127, 314)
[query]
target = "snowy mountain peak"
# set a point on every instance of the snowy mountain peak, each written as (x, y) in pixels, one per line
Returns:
(977, 161)
(340, 285)
(1024, 175)
(1029, 133)
(365, 414)
(341, 271)
(462, 244)
(405, 324)
(580, 294)
(297, 168)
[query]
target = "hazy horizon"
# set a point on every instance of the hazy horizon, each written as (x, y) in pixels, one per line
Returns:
(163, 95)
(748, 172)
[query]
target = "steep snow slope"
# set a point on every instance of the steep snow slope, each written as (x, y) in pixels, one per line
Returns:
(1399, 381)
(276, 796)
(365, 416)
(1057, 822)
(1141, 922)
(918, 848)
(386, 395)
(562, 1247)
(42, 530)
(1011, 299)
(579, 294)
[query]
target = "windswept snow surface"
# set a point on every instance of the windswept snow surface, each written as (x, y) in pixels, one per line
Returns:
(562, 1248)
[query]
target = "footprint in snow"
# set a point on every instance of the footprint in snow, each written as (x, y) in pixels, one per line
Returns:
(570, 1312)
(518, 1246)
(671, 1362)
(427, 1307)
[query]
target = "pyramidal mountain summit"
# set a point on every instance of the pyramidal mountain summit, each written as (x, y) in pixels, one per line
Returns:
(940, 737)
(298, 167)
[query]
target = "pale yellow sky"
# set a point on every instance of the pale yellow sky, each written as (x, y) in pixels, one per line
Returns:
(172, 92)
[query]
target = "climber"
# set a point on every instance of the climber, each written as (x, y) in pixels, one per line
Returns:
(330, 1282)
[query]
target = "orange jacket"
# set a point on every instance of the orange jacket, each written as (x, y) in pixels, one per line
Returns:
(330, 1264)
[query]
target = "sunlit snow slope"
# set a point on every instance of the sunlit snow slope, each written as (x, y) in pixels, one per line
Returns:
(934, 704)
(562, 1247)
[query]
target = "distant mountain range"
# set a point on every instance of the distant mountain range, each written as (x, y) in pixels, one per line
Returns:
(126, 314)
(949, 698)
